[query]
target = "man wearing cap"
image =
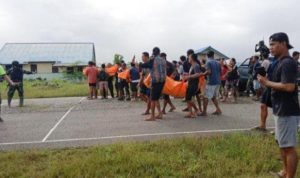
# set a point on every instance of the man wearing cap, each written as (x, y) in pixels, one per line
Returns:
(285, 102)
(16, 74)
(5, 77)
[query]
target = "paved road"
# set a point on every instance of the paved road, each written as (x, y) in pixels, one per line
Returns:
(71, 122)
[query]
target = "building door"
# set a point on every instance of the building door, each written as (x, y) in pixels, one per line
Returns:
(70, 70)
(33, 68)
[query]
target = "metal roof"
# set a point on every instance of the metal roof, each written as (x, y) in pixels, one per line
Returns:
(38, 52)
(209, 48)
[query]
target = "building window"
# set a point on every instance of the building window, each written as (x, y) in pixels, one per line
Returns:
(80, 69)
(54, 69)
(33, 68)
(70, 70)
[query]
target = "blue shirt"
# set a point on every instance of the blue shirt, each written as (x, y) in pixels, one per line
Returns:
(214, 78)
(134, 74)
(272, 67)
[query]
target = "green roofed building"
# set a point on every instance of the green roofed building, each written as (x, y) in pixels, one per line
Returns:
(46, 58)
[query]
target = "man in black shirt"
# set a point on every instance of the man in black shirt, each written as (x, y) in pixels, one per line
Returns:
(192, 89)
(186, 64)
(285, 102)
(16, 74)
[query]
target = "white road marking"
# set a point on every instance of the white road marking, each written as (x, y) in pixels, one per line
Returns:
(60, 120)
(127, 136)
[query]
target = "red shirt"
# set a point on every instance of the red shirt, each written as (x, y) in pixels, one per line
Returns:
(91, 72)
(224, 71)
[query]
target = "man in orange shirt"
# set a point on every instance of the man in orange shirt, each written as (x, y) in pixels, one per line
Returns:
(92, 72)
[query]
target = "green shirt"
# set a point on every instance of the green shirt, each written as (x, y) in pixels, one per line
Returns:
(2, 71)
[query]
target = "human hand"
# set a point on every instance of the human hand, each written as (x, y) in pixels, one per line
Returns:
(262, 80)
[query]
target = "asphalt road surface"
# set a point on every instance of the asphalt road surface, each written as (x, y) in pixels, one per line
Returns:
(73, 122)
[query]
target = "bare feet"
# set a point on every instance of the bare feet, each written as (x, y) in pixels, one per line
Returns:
(190, 116)
(150, 119)
(223, 100)
(172, 109)
(159, 116)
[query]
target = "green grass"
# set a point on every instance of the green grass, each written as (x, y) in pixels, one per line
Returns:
(49, 89)
(230, 156)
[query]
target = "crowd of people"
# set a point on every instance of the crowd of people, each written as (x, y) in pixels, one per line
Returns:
(271, 80)
(205, 78)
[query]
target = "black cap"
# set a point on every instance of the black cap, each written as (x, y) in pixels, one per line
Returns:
(281, 37)
(15, 63)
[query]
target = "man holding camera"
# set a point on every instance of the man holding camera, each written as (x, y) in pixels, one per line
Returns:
(285, 104)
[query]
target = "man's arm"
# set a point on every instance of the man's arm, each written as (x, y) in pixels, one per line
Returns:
(8, 80)
(27, 72)
(288, 78)
(286, 87)
(148, 64)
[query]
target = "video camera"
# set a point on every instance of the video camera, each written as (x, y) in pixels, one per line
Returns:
(262, 49)
(261, 71)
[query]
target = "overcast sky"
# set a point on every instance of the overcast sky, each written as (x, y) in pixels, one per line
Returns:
(131, 27)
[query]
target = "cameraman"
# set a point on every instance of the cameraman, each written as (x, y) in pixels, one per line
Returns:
(269, 65)
(285, 102)
(256, 84)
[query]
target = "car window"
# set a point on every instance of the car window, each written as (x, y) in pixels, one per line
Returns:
(245, 63)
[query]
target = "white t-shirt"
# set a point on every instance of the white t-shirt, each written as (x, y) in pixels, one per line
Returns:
(266, 64)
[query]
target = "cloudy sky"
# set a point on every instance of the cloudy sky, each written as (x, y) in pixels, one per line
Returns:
(131, 27)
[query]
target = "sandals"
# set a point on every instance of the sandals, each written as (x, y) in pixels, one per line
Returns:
(277, 174)
(216, 113)
(146, 113)
(150, 119)
(202, 114)
(258, 128)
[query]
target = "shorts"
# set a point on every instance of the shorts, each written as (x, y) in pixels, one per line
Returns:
(256, 85)
(191, 92)
(156, 90)
(93, 84)
(212, 91)
(166, 97)
(232, 84)
(103, 85)
(123, 84)
(223, 83)
(286, 129)
(133, 87)
(266, 97)
(144, 90)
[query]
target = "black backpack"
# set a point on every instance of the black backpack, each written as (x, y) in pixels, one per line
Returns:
(102, 76)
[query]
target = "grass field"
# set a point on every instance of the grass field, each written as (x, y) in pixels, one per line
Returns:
(49, 89)
(229, 156)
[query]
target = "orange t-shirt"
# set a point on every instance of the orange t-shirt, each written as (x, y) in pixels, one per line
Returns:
(91, 73)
